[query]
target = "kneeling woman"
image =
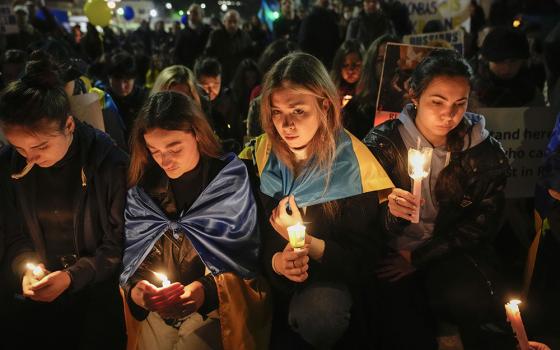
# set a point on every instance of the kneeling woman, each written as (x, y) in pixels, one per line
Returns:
(442, 268)
(190, 214)
(330, 181)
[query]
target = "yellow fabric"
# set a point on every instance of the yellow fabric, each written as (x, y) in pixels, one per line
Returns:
(374, 177)
(532, 255)
(87, 82)
(258, 151)
(245, 312)
(101, 94)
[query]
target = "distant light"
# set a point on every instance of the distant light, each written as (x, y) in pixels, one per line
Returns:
(111, 5)
(516, 23)
(203, 6)
(275, 15)
(181, 12)
(120, 11)
(224, 7)
(168, 6)
(153, 12)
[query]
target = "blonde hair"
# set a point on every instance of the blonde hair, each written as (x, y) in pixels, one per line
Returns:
(305, 74)
(176, 74)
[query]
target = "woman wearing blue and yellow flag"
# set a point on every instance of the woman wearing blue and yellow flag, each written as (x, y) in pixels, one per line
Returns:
(192, 243)
(314, 172)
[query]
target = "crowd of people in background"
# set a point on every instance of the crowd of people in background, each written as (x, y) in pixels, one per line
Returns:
(295, 101)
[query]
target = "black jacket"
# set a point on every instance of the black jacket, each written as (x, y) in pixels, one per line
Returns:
(98, 215)
(469, 225)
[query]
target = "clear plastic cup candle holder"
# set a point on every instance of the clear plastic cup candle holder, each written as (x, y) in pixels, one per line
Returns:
(297, 236)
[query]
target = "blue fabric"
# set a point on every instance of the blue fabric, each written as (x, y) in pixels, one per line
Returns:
(221, 225)
(109, 104)
(278, 181)
(554, 138)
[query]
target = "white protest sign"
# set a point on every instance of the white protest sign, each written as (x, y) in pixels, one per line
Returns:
(524, 134)
(451, 13)
(86, 108)
(454, 37)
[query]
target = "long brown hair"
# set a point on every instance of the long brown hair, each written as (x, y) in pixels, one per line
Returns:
(176, 74)
(168, 110)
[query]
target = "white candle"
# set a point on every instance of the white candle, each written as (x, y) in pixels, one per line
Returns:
(37, 271)
(345, 100)
(164, 281)
(297, 236)
(514, 318)
(419, 161)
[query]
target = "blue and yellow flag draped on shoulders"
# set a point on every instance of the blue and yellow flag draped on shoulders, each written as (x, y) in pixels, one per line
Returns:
(355, 171)
(222, 227)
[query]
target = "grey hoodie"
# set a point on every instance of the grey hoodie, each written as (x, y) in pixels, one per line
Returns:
(415, 234)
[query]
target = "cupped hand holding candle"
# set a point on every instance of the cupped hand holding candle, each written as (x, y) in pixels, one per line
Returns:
(280, 219)
(156, 299)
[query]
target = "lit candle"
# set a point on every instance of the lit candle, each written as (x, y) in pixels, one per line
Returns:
(514, 318)
(37, 270)
(297, 236)
(345, 100)
(164, 281)
(419, 161)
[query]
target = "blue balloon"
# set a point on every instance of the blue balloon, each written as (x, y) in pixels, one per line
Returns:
(128, 13)
(184, 19)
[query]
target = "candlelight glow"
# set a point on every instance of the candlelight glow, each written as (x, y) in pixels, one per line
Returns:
(164, 281)
(36, 270)
(297, 236)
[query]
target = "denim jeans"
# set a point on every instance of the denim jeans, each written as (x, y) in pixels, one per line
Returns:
(320, 313)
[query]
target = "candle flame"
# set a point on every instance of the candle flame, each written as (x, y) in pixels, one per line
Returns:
(35, 269)
(164, 281)
(417, 162)
(515, 302)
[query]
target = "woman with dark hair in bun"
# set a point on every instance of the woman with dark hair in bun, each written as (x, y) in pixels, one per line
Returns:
(442, 270)
(63, 188)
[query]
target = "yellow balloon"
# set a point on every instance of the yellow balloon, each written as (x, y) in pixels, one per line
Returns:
(97, 12)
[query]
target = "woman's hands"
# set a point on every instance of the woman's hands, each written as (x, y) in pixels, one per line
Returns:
(402, 204)
(46, 289)
(281, 220)
(291, 264)
(171, 302)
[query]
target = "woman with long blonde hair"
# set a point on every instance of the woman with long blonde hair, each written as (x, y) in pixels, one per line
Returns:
(313, 172)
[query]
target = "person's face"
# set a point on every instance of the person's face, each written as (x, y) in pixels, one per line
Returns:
(370, 6)
(21, 18)
(379, 60)
(122, 87)
(212, 85)
(176, 152)
(441, 106)
(286, 7)
(506, 69)
(194, 15)
(41, 147)
(231, 23)
(295, 116)
(351, 68)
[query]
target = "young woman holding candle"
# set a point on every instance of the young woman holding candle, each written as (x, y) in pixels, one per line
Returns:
(63, 188)
(313, 172)
(442, 268)
(191, 219)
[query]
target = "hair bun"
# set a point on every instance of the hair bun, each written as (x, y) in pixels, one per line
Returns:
(41, 72)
